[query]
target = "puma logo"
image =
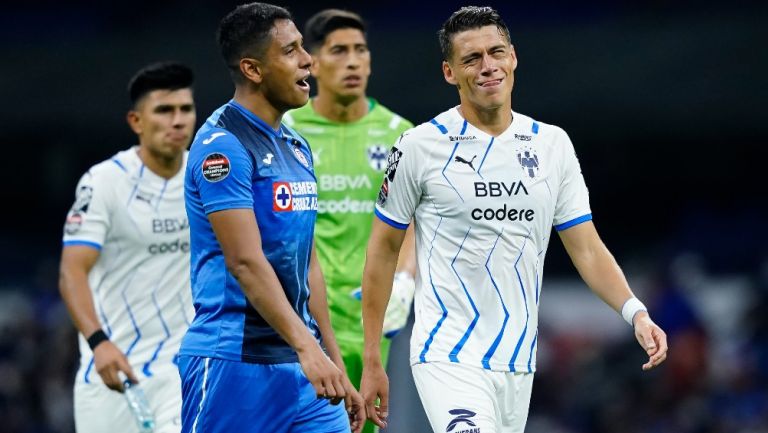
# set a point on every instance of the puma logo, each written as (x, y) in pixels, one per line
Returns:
(268, 159)
(464, 161)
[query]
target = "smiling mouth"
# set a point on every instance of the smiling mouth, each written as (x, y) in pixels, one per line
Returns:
(491, 83)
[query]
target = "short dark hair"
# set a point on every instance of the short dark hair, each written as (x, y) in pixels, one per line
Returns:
(321, 24)
(245, 32)
(161, 75)
(468, 18)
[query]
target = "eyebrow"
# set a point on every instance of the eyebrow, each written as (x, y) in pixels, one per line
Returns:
(172, 106)
(477, 52)
(293, 43)
(353, 44)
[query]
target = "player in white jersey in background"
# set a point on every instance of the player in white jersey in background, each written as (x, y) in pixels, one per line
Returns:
(484, 186)
(125, 262)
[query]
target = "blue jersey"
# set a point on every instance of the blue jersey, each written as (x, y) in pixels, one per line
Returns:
(237, 161)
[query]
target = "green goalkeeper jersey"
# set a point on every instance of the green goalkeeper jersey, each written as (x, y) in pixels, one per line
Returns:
(349, 161)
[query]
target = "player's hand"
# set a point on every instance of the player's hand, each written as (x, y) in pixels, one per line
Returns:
(322, 373)
(651, 338)
(374, 386)
(109, 362)
(355, 407)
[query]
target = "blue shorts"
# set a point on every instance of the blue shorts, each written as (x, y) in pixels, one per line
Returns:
(220, 396)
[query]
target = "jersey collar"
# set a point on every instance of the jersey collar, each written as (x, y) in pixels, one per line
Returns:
(259, 123)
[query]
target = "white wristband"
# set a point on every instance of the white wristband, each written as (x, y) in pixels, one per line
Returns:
(630, 308)
(402, 275)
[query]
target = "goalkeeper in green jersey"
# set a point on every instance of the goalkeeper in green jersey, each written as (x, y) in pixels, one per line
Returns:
(350, 135)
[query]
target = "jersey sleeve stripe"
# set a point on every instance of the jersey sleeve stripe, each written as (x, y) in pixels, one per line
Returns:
(390, 221)
(573, 222)
(120, 164)
(442, 128)
(83, 243)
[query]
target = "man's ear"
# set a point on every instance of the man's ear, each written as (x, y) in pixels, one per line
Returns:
(514, 57)
(252, 69)
(314, 67)
(133, 118)
(448, 74)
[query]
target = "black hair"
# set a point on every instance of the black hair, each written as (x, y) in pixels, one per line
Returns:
(468, 18)
(244, 32)
(161, 75)
(321, 24)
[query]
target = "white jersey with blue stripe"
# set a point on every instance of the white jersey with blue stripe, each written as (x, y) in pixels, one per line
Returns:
(140, 282)
(483, 208)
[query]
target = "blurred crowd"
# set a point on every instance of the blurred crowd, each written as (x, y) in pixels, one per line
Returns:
(589, 378)
(714, 381)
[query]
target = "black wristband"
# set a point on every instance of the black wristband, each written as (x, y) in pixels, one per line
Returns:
(96, 338)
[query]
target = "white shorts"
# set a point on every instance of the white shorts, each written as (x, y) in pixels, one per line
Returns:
(463, 399)
(98, 409)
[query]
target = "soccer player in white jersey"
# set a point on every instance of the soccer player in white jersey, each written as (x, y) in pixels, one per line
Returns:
(484, 186)
(125, 262)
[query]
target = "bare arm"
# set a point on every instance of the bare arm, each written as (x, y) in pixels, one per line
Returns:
(240, 239)
(603, 275)
(318, 307)
(380, 263)
(406, 261)
(76, 263)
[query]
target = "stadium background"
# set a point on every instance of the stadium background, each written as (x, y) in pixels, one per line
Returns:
(665, 102)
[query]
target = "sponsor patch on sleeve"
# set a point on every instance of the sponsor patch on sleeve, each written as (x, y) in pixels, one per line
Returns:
(83, 198)
(383, 192)
(74, 222)
(392, 161)
(216, 167)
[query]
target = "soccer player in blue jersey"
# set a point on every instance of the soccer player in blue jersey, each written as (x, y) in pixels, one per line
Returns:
(484, 185)
(253, 358)
(125, 262)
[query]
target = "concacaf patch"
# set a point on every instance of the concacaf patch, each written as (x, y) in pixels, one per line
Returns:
(216, 167)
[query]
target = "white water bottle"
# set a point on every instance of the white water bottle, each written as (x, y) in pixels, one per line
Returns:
(137, 402)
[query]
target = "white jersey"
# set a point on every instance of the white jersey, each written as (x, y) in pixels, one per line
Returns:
(483, 208)
(140, 282)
